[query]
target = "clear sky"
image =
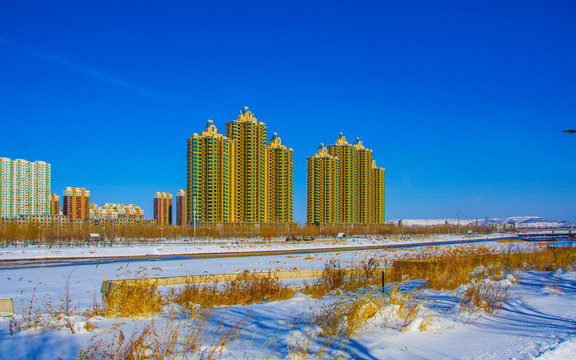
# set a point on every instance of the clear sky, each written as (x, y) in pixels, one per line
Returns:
(463, 102)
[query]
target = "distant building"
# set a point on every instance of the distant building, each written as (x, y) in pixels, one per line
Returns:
(54, 204)
(344, 185)
(24, 187)
(181, 212)
(116, 211)
(76, 203)
(46, 222)
(163, 208)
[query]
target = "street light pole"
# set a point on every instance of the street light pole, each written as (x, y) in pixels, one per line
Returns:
(194, 218)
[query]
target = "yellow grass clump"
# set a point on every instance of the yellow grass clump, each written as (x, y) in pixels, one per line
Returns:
(246, 288)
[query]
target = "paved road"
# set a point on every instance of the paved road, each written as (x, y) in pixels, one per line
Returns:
(28, 263)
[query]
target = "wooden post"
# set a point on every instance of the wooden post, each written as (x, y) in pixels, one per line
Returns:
(383, 281)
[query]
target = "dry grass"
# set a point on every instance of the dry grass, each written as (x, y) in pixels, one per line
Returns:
(453, 268)
(174, 340)
(53, 313)
(334, 277)
(486, 295)
(350, 316)
(247, 288)
(133, 298)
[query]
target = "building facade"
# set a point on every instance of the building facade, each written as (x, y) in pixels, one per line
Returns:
(237, 177)
(76, 203)
(346, 187)
(249, 137)
(210, 176)
(181, 205)
(54, 204)
(322, 187)
(357, 187)
(278, 181)
(116, 211)
(24, 187)
(163, 208)
(377, 194)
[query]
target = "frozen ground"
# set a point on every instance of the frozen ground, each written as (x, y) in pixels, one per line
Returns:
(537, 321)
(198, 247)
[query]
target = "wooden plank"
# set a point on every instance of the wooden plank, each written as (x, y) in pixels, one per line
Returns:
(199, 279)
(6, 306)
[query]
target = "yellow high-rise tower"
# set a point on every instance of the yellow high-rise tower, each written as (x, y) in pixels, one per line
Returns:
(278, 181)
(363, 183)
(322, 187)
(378, 207)
(344, 185)
(346, 193)
(237, 177)
(249, 138)
(210, 176)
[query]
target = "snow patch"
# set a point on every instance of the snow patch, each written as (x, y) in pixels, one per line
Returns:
(564, 351)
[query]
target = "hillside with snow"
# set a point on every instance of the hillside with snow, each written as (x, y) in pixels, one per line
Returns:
(521, 222)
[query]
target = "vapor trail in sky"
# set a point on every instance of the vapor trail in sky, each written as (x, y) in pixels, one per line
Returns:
(86, 70)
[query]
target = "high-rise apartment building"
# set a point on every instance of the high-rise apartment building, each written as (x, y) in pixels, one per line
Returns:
(237, 177)
(377, 194)
(163, 208)
(358, 190)
(346, 187)
(364, 183)
(321, 187)
(278, 181)
(249, 136)
(54, 204)
(76, 203)
(181, 213)
(24, 187)
(210, 176)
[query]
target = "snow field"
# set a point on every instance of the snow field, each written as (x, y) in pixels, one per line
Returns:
(411, 322)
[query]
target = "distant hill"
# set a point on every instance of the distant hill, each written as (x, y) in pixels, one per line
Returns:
(522, 222)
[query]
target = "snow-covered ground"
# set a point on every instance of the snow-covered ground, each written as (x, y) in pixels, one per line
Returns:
(538, 319)
(214, 247)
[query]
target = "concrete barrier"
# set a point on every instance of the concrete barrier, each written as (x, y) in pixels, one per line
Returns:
(107, 285)
(6, 306)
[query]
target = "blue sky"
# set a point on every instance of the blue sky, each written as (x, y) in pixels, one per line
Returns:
(463, 102)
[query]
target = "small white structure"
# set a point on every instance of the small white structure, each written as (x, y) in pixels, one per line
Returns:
(341, 236)
(93, 237)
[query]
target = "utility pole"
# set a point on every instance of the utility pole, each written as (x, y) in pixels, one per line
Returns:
(194, 218)
(458, 221)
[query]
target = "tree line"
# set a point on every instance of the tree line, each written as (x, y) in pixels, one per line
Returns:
(78, 233)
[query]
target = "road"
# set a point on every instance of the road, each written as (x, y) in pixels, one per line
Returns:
(56, 262)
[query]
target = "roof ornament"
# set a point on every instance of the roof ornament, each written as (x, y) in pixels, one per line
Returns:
(208, 124)
(341, 140)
